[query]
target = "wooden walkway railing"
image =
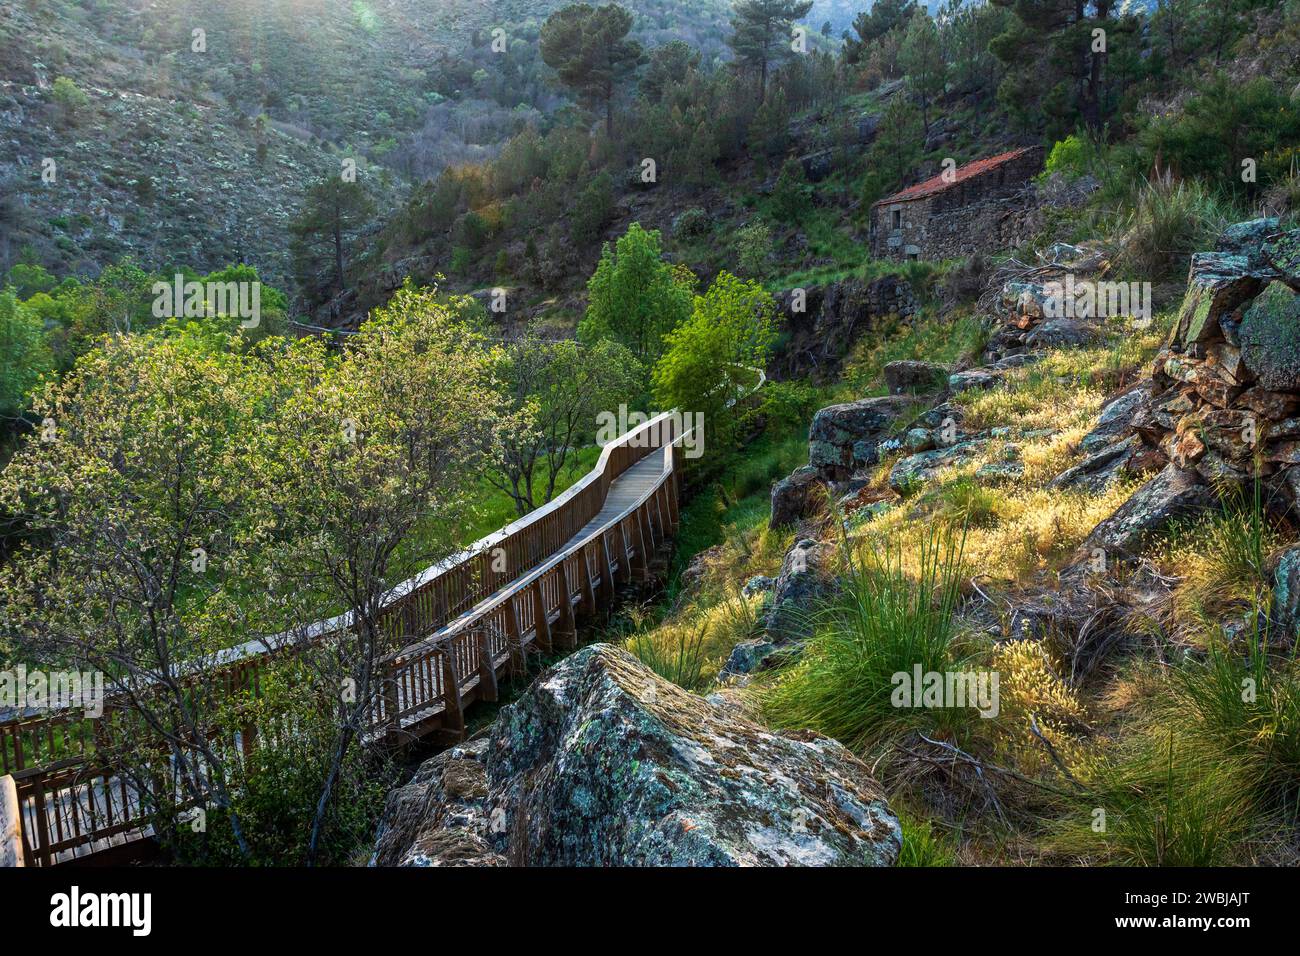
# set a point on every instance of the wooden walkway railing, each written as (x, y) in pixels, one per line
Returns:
(461, 625)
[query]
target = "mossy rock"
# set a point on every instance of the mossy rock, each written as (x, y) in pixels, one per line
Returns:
(1270, 338)
(1283, 254)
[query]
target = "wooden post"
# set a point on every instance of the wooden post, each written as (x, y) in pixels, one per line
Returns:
(388, 686)
(625, 562)
(40, 843)
(541, 624)
(606, 575)
(670, 493)
(566, 626)
(588, 592)
(641, 563)
(11, 824)
(514, 638)
(487, 667)
(453, 716)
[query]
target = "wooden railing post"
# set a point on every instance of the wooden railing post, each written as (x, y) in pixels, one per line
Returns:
(453, 715)
(567, 627)
(641, 560)
(625, 561)
(541, 620)
(606, 575)
(515, 640)
(392, 701)
(487, 667)
(584, 580)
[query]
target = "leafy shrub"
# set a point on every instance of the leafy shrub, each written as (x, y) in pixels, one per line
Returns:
(70, 97)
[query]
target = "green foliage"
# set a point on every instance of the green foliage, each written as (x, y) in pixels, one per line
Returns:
(753, 243)
(24, 356)
(791, 196)
(921, 58)
(711, 358)
(326, 232)
(761, 32)
(1225, 123)
(1068, 157)
(69, 97)
(29, 279)
(634, 296)
(589, 49)
(1169, 220)
(593, 209)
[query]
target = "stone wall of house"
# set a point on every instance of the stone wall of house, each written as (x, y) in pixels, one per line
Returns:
(990, 211)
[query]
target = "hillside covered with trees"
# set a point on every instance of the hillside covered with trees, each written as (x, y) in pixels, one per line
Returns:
(854, 239)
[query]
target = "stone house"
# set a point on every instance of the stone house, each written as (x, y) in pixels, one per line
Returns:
(977, 206)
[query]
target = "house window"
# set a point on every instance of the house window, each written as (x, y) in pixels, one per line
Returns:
(898, 219)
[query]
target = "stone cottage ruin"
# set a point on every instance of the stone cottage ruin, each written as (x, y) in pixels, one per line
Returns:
(973, 207)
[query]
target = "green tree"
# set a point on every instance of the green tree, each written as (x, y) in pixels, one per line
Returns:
(556, 389)
(70, 98)
(24, 356)
(761, 34)
(634, 296)
(872, 24)
(922, 61)
(365, 453)
(1055, 60)
(327, 230)
(589, 49)
(711, 358)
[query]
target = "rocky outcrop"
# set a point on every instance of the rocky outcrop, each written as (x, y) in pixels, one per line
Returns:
(807, 578)
(799, 496)
(846, 437)
(1286, 597)
(603, 763)
(911, 377)
(1227, 385)
(825, 322)
(1174, 493)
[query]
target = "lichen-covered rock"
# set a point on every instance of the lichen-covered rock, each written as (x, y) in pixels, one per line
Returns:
(440, 816)
(808, 577)
(1217, 283)
(745, 658)
(915, 470)
(1116, 419)
(1286, 597)
(1248, 239)
(907, 375)
(1173, 493)
(603, 763)
(1270, 338)
(1283, 254)
(845, 437)
(1111, 463)
(801, 495)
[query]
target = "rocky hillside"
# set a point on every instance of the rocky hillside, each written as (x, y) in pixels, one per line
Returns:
(195, 149)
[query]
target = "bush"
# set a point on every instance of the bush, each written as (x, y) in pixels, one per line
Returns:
(68, 96)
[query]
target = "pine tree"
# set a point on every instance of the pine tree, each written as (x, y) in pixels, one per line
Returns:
(589, 49)
(762, 33)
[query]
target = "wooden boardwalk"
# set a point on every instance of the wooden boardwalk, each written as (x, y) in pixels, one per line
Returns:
(461, 625)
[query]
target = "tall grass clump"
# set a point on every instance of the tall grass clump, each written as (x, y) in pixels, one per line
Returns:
(1211, 776)
(886, 622)
(1170, 220)
(1223, 561)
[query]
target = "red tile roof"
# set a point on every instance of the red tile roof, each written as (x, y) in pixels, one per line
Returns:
(937, 184)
